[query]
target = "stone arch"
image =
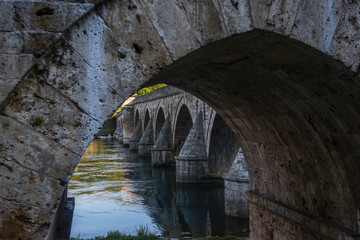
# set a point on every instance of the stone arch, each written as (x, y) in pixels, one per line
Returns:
(160, 120)
(182, 127)
(137, 118)
(146, 118)
(223, 147)
(293, 108)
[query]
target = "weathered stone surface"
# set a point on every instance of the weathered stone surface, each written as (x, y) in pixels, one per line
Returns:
(15, 219)
(172, 25)
(236, 15)
(162, 152)
(136, 136)
(323, 26)
(147, 140)
(26, 42)
(127, 116)
(29, 15)
(191, 164)
(236, 184)
(59, 118)
(105, 55)
(136, 35)
(345, 44)
(70, 74)
(44, 156)
(15, 66)
(6, 85)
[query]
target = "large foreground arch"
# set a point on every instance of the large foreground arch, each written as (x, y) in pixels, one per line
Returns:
(293, 105)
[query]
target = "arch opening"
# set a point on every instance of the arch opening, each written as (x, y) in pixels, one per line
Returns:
(182, 128)
(146, 119)
(223, 147)
(137, 118)
(160, 120)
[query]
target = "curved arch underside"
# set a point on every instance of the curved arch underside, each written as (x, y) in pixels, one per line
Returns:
(223, 147)
(183, 125)
(160, 120)
(294, 109)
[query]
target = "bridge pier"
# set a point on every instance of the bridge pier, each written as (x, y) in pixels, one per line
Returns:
(236, 184)
(191, 164)
(134, 140)
(127, 114)
(147, 140)
(118, 134)
(162, 152)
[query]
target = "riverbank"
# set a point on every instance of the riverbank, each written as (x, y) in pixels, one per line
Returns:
(143, 234)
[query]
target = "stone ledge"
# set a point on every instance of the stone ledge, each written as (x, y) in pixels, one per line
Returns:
(302, 218)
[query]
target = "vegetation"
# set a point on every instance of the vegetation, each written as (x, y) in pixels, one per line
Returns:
(142, 92)
(147, 90)
(38, 121)
(143, 233)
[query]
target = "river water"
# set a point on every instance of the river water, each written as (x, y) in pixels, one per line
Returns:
(115, 189)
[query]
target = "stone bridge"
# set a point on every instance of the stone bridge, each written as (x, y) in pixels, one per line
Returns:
(214, 153)
(284, 75)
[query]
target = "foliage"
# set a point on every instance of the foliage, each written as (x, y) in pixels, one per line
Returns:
(143, 233)
(38, 121)
(147, 90)
(143, 230)
(221, 238)
(116, 235)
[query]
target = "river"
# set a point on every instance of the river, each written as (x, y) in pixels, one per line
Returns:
(115, 189)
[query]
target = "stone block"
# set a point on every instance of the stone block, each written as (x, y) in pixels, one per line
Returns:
(45, 109)
(15, 66)
(174, 27)
(190, 170)
(43, 156)
(97, 45)
(144, 150)
(14, 217)
(161, 158)
(49, 16)
(72, 76)
(237, 15)
(136, 34)
(345, 45)
(6, 86)
(235, 203)
(316, 23)
(28, 42)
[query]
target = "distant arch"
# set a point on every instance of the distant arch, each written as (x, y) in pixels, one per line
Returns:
(137, 117)
(183, 125)
(146, 119)
(160, 120)
(223, 147)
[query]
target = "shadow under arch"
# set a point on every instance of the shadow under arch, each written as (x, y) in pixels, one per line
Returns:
(223, 147)
(294, 111)
(137, 118)
(183, 125)
(160, 120)
(146, 119)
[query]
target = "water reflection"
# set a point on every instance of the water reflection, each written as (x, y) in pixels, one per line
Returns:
(117, 190)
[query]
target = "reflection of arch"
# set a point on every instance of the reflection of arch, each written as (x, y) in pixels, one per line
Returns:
(160, 119)
(183, 125)
(137, 117)
(223, 147)
(147, 118)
